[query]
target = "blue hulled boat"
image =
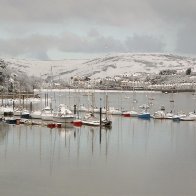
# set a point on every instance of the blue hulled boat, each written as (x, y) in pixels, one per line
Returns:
(144, 115)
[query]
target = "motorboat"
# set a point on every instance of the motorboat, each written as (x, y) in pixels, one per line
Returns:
(63, 115)
(10, 120)
(6, 111)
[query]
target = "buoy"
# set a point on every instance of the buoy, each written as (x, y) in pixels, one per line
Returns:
(51, 125)
(58, 125)
(17, 121)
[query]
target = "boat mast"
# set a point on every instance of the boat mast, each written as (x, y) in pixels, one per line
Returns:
(106, 106)
(93, 102)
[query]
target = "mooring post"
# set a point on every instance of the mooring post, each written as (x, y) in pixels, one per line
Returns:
(2, 99)
(74, 109)
(23, 101)
(31, 106)
(100, 121)
(45, 99)
(13, 104)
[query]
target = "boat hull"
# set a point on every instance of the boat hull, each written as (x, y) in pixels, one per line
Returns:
(35, 116)
(105, 123)
(144, 116)
(27, 116)
(11, 121)
(47, 118)
(65, 119)
(130, 114)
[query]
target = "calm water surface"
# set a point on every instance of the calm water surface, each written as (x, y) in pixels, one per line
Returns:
(134, 158)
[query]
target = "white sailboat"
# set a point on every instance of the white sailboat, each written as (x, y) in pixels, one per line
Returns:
(25, 114)
(114, 111)
(159, 115)
(91, 120)
(47, 114)
(178, 116)
(190, 117)
(169, 115)
(37, 114)
(132, 112)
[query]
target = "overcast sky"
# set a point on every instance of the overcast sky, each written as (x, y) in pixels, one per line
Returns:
(57, 29)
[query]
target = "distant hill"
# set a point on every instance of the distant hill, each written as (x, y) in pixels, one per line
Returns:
(109, 65)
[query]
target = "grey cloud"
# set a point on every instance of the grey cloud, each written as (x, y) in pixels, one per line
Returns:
(97, 11)
(144, 43)
(92, 44)
(186, 39)
(112, 12)
(34, 46)
(174, 11)
(37, 46)
(163, 18)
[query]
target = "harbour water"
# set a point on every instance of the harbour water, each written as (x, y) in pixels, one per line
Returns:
(134, 158)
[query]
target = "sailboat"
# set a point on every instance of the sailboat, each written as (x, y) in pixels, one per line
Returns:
(144, 114)
(190, 117)
(159, 115)
(47, 114)
(169, 115)
(178, 116)
(25, 114)
(114, 111)
(106, 121)
(131, 113)
(36, 114)
(91, 120)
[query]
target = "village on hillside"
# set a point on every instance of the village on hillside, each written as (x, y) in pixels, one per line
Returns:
(12, 80)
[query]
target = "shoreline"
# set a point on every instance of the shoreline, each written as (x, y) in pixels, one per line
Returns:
(36, 91)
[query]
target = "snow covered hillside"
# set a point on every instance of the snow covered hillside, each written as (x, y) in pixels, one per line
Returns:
(109, 65)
